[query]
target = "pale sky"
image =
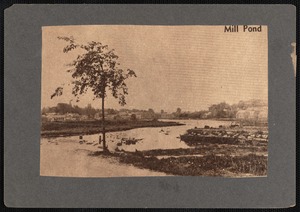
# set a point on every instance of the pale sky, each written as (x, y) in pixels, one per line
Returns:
(191, 67)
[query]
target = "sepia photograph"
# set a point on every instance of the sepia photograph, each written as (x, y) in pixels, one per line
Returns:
(154, 100)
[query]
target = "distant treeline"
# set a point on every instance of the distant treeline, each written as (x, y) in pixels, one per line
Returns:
(64, 108)
(221, 110)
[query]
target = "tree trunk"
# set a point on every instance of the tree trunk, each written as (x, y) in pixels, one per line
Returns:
(103, 126)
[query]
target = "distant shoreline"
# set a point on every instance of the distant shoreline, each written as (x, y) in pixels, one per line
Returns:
(65, 129)
(215, 119)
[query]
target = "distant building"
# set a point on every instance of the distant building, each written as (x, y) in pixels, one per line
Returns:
(166, 115)
(72, 117)
(206, 115)
(58, 117)
(125, 115)
(253, 115)
(241, 114)
(98, 116)
(137, 115)
(55, 117)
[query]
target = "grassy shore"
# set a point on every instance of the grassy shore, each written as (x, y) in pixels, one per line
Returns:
(70, 128)
(205, 160)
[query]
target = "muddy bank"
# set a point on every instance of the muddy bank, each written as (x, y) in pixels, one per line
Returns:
(72, 159)
(63, 129)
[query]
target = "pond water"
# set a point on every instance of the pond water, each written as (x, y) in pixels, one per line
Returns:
(149, 138)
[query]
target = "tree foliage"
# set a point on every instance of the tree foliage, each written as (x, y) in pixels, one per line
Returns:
(97, 69)
(63, 108)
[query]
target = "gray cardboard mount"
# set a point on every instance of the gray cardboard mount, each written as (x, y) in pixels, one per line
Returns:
(23, 187)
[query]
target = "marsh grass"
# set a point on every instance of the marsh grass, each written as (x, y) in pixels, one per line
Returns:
(208, 165)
